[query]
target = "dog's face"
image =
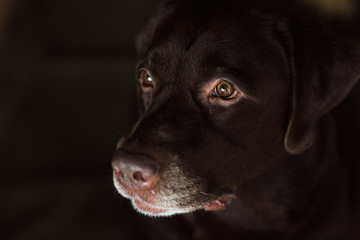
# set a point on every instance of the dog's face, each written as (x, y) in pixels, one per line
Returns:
(215, 91)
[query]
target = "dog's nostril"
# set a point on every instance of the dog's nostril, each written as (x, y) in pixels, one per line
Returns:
(117, 171)
(119, 174)
(138, 177)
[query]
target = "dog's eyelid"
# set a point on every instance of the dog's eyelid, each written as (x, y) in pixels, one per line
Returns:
(239, 78)
(140, 66)
(140, 69)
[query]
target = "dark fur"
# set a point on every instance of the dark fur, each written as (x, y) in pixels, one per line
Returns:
(275, 151)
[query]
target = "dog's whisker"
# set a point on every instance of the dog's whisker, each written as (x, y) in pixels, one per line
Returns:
(208, 194)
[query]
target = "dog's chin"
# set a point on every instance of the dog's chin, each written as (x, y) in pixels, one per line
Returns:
(148, 209)
(155, 211)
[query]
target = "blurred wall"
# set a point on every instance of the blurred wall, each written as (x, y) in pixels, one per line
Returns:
(66, 96)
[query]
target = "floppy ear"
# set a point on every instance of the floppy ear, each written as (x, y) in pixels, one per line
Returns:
(323, 72)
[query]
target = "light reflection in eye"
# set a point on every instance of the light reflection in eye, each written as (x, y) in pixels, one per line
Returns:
(224, 89)
(146, 79)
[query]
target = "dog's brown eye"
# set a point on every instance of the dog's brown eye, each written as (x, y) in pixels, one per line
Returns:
(146, 79)
(224, 89)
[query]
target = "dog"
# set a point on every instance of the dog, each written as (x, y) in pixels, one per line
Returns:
(236, 137)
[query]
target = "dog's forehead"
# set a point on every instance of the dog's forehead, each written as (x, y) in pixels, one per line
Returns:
(193, 42)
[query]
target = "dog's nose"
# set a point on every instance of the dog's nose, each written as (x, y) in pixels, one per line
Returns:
(136, 171)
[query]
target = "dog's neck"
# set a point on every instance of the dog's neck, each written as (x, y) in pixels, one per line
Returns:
(328, 202)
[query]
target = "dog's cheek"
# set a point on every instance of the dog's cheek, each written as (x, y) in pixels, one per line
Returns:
(248, 140)
(238, 124)
(146, 98)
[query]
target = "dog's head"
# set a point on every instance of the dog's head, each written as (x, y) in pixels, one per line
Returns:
(227, 93)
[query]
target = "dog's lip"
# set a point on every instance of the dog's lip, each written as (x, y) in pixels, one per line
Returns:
(219, 203)
(148, 208)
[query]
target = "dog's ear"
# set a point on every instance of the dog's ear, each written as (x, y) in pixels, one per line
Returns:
(323, 72)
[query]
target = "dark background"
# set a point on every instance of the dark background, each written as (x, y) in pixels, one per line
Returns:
(66, 96)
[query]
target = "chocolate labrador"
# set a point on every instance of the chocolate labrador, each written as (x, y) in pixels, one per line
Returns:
(236, 133)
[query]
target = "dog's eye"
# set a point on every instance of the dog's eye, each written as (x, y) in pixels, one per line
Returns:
(224, 89)
(146, 79)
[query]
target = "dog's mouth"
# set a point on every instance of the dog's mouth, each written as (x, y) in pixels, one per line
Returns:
(149, 209)
(218, 204)
(146, 202)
